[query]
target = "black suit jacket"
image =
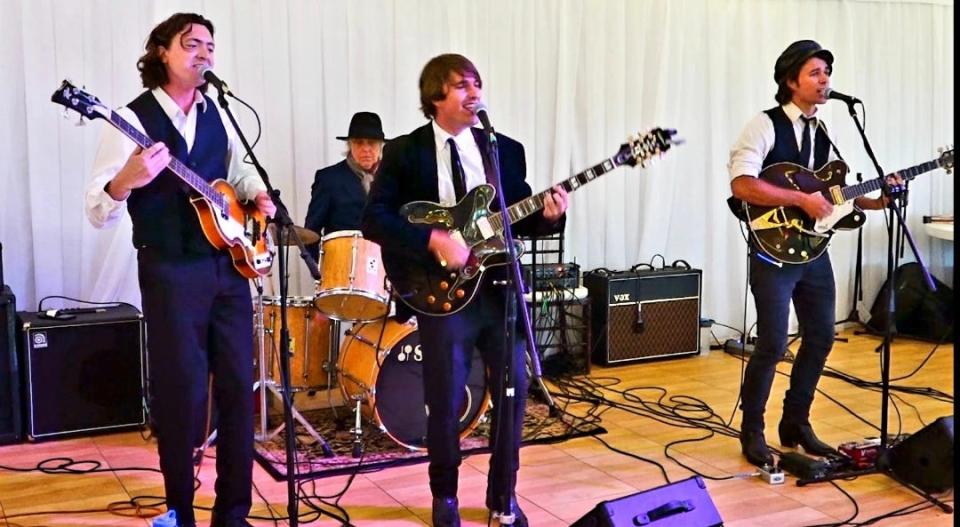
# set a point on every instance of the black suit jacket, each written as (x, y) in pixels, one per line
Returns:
(408, 172)
(336, 201)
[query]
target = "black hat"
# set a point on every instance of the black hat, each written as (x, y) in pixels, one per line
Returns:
(796, 54)
(364, 125)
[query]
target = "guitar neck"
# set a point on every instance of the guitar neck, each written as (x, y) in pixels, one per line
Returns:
(907, 174)
(526, 207)
(189, 177)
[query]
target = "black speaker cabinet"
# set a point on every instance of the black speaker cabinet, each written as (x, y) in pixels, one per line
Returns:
(10, 422)
(682, 504)
(644, 315)
(82, 375)
(925, 459)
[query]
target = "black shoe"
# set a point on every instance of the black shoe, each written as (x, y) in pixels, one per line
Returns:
(793, 434)
(754, 448)
(446, 512)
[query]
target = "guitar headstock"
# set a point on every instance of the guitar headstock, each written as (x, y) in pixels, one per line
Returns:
(945, 161)
(638, 150)
(86, 104)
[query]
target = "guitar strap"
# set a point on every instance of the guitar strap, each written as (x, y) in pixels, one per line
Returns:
(821, 124)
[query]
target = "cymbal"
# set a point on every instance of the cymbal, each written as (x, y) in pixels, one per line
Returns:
(306, 235)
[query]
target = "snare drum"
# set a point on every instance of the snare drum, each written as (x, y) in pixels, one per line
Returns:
(391, 382)
(309, 342)
(352, 277)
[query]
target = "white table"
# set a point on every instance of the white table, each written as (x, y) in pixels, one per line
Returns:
(941, 230)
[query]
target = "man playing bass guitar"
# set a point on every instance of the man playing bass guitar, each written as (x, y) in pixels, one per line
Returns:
(196, 302)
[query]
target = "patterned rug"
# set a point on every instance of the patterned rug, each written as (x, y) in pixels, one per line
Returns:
(380, 451)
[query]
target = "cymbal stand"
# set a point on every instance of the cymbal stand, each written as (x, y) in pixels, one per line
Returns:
(258, 331)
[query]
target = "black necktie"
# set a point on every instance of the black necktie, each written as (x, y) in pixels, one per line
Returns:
(805, 142)
(456, 171)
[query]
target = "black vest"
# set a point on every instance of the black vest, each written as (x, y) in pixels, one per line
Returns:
(163, 218)
(785, 147)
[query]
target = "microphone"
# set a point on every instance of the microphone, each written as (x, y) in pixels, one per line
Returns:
(849, 99)
(480, 110)
(212, 78)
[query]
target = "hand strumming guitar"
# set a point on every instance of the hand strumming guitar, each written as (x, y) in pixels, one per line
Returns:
(451, 254)
(815, 205)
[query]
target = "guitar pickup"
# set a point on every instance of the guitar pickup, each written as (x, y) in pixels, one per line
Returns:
(486, 230)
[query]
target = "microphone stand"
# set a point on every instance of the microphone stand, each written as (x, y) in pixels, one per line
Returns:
(504, 430)
(285, 231)
(882, 465)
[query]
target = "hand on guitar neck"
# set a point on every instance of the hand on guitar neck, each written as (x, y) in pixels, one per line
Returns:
(141, 168)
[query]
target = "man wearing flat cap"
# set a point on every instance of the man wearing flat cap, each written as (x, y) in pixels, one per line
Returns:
(339, 191)
(790, 132)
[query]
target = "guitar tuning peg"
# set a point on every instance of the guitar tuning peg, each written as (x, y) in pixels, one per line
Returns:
(65, 113)
(80, 121)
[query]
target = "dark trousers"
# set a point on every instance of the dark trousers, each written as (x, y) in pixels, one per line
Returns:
(448, 344)
(811, 288)
(199, 318)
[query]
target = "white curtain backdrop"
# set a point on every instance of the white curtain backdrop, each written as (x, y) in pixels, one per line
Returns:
(568, 78)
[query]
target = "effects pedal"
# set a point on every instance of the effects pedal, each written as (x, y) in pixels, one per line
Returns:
(862, 454)
(772, 475)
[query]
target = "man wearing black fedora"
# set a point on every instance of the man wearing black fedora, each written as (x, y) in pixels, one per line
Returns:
(339, 191)
(790, 132)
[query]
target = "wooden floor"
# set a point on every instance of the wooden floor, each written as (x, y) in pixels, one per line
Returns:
(557, 483)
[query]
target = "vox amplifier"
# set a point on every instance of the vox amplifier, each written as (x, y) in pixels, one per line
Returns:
(639, 315)
(83, 372)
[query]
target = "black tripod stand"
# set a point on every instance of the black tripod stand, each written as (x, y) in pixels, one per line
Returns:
(285, 232)
(894, 219)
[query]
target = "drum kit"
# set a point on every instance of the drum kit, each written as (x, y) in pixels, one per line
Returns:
(377, 367)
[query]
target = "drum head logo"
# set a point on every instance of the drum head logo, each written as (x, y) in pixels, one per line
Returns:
(39, 340)
(408, 352)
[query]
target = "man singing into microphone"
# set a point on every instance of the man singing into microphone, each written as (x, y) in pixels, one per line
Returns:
(791, 132)
(197, 306)
(440, 162)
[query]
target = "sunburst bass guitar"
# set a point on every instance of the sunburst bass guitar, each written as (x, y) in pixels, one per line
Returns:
(227, 222)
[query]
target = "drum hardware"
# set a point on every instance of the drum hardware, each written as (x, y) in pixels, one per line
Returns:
(268, 386)
(357, 431)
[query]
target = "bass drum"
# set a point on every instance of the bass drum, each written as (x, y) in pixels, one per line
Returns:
(390, 382)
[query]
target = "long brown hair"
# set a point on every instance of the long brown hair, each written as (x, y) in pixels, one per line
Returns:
(153, 72)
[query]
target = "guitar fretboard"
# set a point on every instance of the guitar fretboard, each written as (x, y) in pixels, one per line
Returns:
(526, 207)
(188, 176)
(860, 189)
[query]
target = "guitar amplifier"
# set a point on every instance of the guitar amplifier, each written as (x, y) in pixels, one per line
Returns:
(10, 422)
(84, 373)
(639, 315)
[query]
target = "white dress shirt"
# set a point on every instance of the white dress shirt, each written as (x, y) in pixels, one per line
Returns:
(758, 137)
(470, 158)
(115, 148)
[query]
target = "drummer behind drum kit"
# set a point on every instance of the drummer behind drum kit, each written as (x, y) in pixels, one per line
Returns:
(379, 364)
